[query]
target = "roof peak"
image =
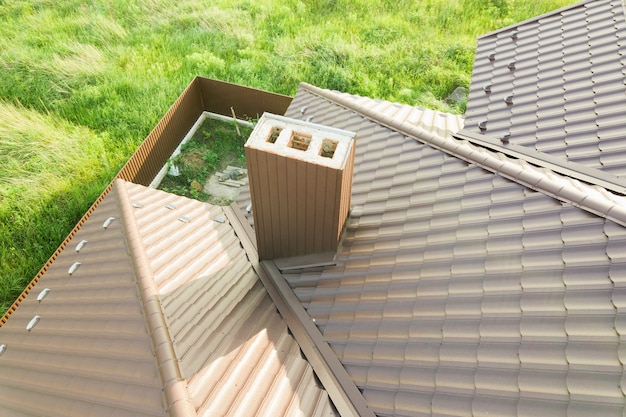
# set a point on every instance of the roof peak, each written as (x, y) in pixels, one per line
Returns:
(386, 112)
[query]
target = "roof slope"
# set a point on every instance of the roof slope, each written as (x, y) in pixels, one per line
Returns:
(557, 85)
(163, 316)
(428, 121)
(90, 353)
(233, 348)
(458, 291)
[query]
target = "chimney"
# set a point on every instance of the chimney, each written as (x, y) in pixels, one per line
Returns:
(300, 182)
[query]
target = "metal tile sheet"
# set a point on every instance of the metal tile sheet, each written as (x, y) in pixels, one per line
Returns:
(233, 348)
(90, 353)
(493, 293)
(567, 80)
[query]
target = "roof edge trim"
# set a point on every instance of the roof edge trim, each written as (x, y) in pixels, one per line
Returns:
(340, 387)
(389, 122)
(580, 195)
(175, 391)
(54, 256)
(536, 18)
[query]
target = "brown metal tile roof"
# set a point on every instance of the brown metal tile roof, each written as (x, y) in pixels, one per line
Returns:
(233, 349)
(90, 353)
(432, 121)
(461, 292)
(458, 290)
(564, 95)
(163, 316)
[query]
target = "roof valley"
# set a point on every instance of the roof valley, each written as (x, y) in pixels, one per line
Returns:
(344, 393)
(176, 396)
(225, 330)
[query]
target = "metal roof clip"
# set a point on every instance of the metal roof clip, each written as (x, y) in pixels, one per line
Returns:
(81, 245)
(73, 268)
(33, 322)
(482, 125)
(108, 222)
(43, 294)
(3, 348)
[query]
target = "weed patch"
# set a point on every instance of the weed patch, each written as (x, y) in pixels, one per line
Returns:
(215, 145)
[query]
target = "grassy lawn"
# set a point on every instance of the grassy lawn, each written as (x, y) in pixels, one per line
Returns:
(83, 82)
(216, 145)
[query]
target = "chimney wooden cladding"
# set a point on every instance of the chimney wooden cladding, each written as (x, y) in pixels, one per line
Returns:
(300, 182)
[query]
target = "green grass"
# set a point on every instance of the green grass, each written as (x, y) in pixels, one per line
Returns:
(213, 147)
(37, 208)
(82, 83)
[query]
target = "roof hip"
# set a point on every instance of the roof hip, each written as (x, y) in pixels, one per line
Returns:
(536, 18)
(175, 391)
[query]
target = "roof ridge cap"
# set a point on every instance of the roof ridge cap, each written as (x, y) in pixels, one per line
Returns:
(589, 197)
(175, 391)
(549, 182)
(337, 97)
(545, 180)
(389, 122)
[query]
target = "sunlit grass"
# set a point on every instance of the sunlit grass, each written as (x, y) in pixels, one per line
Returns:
(32, 145)
(51, 170)
(82, 83)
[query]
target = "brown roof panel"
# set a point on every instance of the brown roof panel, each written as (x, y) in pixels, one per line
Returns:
(233, 349)
(556, 84)
(96, 345)
(90, 353)
(477, 282)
